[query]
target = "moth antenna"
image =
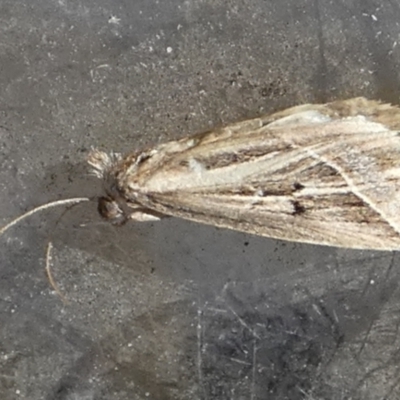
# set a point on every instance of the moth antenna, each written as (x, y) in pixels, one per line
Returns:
(56, 203)
(50, 275)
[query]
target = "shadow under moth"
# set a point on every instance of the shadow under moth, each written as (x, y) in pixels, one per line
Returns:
(325, 174)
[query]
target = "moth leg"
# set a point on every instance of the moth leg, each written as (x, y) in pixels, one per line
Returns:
(141, 216)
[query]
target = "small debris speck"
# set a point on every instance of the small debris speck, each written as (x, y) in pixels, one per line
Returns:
(114, 20)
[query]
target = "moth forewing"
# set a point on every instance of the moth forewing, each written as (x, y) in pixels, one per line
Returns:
(325, 174)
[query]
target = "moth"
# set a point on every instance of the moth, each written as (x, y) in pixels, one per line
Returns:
(326, 174)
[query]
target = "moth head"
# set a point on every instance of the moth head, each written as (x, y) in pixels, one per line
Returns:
(102, 163)
(112, 206)
(111, 211)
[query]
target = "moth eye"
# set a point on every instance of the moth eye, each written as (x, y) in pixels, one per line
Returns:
(109, 209)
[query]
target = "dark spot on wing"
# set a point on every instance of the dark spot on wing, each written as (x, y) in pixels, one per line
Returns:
(247, 153)
(298, 186)
(298, 208)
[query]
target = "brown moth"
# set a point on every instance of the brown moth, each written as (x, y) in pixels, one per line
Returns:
(325, 174)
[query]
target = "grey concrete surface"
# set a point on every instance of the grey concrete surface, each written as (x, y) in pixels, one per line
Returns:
(176, 310)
